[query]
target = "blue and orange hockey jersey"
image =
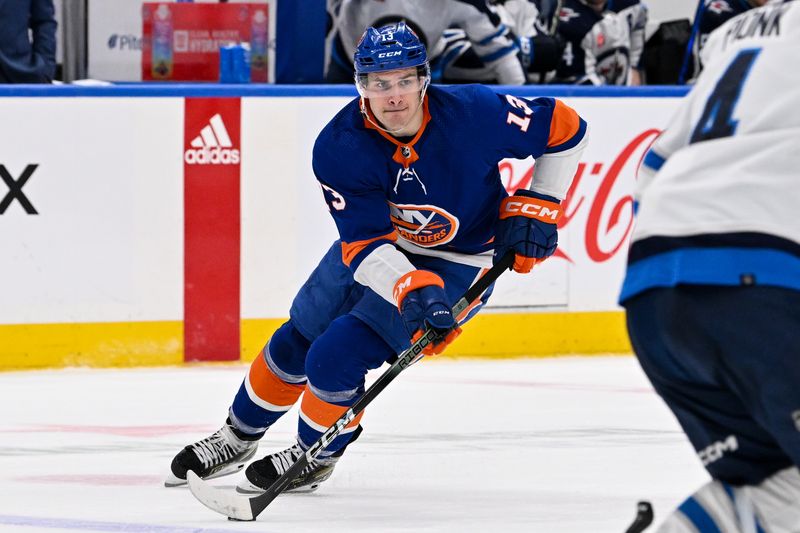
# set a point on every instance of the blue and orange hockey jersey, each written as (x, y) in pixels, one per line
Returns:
(439, 193)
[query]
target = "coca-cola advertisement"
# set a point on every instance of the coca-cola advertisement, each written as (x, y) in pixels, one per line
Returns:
(182, 41)
(609, 213)
(586, 271)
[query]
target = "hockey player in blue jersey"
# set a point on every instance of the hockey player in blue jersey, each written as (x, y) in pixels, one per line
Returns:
(712, 290)
(410, 176)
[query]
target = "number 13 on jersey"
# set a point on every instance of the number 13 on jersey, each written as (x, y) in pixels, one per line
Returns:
(514, 118)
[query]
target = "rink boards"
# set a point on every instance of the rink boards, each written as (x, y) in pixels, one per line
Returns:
(152, 225)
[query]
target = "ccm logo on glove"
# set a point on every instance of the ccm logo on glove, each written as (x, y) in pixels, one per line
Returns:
(531, 208)
(527, 224)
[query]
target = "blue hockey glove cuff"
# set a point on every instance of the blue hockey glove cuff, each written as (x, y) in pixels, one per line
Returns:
(528, 224)
(423, 303)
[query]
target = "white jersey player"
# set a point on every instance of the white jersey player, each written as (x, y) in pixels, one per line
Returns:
(539, 51)
(597, 39)
(635, 12)
(429, 19)
(748, 103)
(712, 291)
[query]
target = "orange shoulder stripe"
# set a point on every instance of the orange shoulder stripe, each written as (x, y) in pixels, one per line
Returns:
(351, 249)
(563, 125)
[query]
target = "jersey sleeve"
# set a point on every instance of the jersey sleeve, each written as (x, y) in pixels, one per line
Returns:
(635, 13)
(490, 39)
(545, 128)
(638, 21)
(357, 202)
(674, 137)
(589, 75)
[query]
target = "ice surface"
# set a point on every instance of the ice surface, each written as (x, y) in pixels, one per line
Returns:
(534, 445)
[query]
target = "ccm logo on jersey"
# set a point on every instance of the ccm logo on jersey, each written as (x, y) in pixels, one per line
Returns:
(423, 225)
(530, 207)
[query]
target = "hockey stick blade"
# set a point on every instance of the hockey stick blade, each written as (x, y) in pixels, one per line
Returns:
(644, 517)
(226, 502)
(248, 508)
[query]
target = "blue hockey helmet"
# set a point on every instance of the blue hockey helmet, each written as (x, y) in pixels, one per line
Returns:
(390, 47)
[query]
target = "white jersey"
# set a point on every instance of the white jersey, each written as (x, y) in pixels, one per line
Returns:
(719, 190)
(597, 45)
(430, 19)
(636, 14)
(521, 16)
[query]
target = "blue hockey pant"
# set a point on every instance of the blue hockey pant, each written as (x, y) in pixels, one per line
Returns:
(726, 360)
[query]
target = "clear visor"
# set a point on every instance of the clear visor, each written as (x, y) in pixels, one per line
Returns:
(392, 82)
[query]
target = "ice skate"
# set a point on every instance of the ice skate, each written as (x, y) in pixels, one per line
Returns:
(264, 472)
(222, 453)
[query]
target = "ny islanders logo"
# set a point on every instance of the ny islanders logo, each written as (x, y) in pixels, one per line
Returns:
(423, 225)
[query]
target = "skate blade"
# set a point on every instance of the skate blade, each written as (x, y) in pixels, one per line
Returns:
(245, 487)
(174, 481)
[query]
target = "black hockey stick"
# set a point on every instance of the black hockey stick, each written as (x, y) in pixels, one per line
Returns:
(644, 517)
(239, 507)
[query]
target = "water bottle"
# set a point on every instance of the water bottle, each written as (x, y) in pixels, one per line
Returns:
(241, 63)
(161, 68)
(258, 46)
(234, 63)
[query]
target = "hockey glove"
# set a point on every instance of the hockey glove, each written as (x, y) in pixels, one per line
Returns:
(528, 225)
(423, 303)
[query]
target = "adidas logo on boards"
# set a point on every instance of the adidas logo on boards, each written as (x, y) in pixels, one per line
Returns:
(213, 146)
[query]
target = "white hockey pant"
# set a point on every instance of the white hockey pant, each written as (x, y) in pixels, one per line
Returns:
(773, 506)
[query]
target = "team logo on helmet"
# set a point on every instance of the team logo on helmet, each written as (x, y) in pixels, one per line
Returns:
(423, 225)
